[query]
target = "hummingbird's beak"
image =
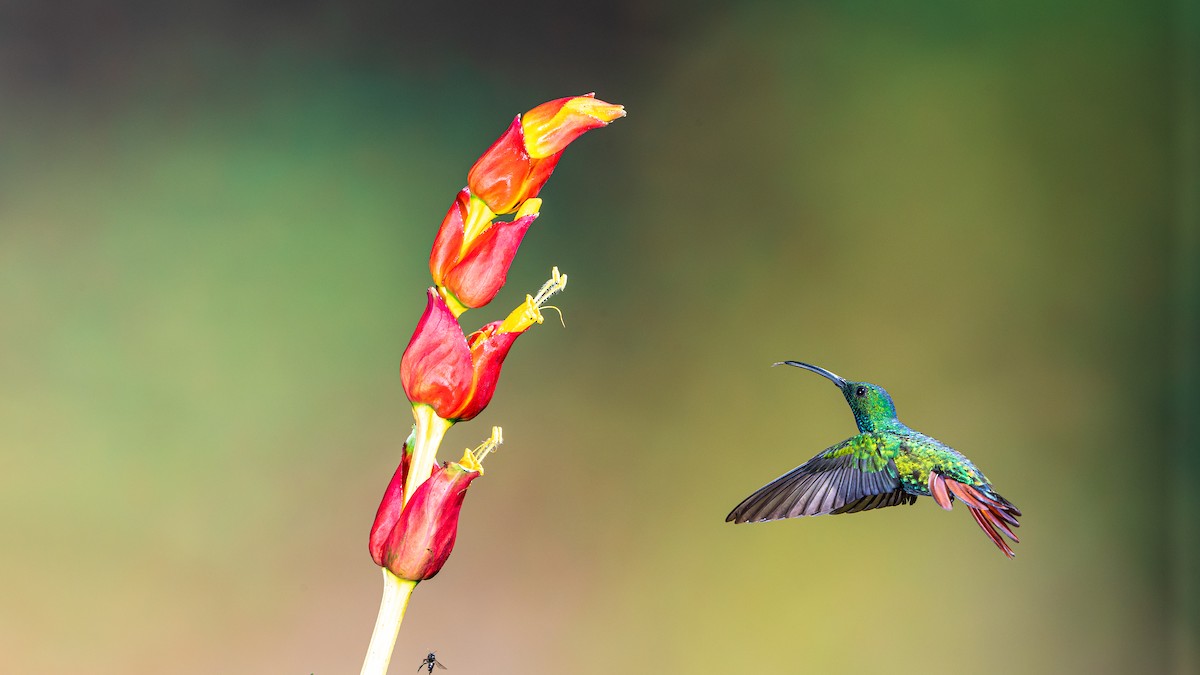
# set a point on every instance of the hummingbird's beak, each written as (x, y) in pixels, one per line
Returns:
(820, 371)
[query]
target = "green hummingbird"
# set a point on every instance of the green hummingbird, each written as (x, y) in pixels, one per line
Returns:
(886, 464)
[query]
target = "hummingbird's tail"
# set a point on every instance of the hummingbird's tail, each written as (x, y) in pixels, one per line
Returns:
(993, 513)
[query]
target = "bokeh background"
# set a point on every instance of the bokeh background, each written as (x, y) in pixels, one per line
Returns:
(214, 226)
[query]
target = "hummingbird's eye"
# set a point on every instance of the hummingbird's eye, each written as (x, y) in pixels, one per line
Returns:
(860, 392)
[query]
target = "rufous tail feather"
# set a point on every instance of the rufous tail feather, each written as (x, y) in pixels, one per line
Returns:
(994, 514)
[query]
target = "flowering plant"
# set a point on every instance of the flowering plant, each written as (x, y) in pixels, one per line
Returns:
(450, 376)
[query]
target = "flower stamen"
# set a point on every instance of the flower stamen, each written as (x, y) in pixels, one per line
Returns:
(472, 460)
(490, 445)
(556, 284)
(560, 314)
(528, 313)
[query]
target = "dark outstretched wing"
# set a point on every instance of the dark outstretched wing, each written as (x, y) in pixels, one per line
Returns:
(853, 475)
(893, 498)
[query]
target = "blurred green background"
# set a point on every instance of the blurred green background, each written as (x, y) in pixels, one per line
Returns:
(214, 227)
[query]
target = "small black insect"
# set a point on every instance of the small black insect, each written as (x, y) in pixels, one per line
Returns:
(429, 662)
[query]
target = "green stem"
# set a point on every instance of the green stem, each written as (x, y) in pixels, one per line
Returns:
(396, 592)
(430, 430)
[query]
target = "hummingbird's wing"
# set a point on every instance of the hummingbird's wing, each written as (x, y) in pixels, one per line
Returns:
(854, 475)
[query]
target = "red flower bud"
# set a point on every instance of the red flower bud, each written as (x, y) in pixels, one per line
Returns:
(506, 175)
(471, 257)
(454, 374)
(520, 162)
(413, 540)
(552, 126)
(391, 507)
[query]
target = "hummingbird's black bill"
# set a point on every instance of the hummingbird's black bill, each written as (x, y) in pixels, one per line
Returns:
(816, 369)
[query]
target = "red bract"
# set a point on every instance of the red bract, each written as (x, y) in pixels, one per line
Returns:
(472, 264)
(413, 540)
(453, 374)
(520, 162)
(391, 507)
(506, 175)
(552, 126)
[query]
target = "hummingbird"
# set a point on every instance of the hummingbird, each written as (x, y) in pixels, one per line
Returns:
(886, 464)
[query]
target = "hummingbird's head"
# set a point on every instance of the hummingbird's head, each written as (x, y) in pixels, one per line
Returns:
(872, 406)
